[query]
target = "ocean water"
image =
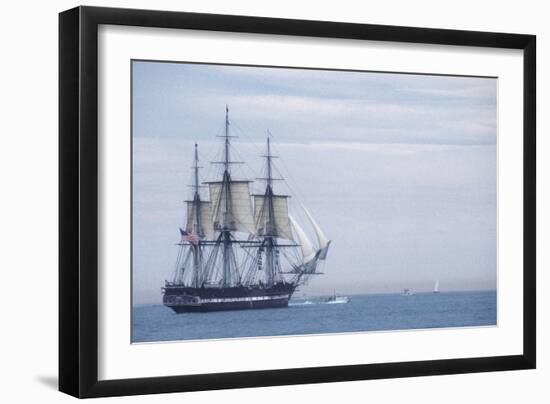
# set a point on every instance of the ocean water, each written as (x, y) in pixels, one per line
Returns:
(363, 313)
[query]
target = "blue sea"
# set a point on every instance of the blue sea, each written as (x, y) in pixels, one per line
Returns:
(375, 312)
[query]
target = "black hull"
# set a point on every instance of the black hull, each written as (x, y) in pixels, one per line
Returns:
(230, 306)
(182, 299)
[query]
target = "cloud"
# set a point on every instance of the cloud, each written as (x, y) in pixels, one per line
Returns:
(190, 100)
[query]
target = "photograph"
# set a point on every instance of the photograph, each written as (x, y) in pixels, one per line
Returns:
(276, 201)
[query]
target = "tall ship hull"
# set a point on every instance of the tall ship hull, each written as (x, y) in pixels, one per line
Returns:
(183, 299)
(240, 250)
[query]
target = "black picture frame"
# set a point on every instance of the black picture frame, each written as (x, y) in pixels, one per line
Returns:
(78, 200)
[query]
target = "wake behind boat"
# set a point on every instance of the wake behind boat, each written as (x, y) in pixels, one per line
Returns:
(299, 303)
(241, 250)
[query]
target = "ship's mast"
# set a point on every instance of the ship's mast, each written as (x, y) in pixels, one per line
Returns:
(226, 232)
(269, 157)
(271, 231)
(197, 209)
(232, 213)
(226, 150)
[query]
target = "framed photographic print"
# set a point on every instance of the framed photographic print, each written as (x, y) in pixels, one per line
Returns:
(251, 201)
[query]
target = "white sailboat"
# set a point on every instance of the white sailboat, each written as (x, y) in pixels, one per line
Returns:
(436, 286)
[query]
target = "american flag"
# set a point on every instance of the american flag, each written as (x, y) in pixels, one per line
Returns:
(189, 237)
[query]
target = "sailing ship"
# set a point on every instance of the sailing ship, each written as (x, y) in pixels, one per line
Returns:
(241, 250)
(436, 287)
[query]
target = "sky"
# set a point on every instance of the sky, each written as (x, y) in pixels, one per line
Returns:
(398, 169)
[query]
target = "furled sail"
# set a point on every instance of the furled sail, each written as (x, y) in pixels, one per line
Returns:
(233, 211)
(205, 217)
(281, 225)
(308, 252)
(321, 238)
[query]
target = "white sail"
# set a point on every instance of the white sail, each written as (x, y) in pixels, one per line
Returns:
(436, 287)
(281, 226)
(308, 251)
(206, 230)
(323, 241)
(238, 212)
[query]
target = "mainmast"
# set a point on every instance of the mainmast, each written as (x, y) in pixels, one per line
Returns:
(226, 233)
(231, 212)
(197, 256)
(271, 228)
(269, 157)
(226, 186)
(226, 150)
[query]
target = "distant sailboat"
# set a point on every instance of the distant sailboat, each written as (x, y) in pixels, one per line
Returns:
(436, 287)
(336, 299)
